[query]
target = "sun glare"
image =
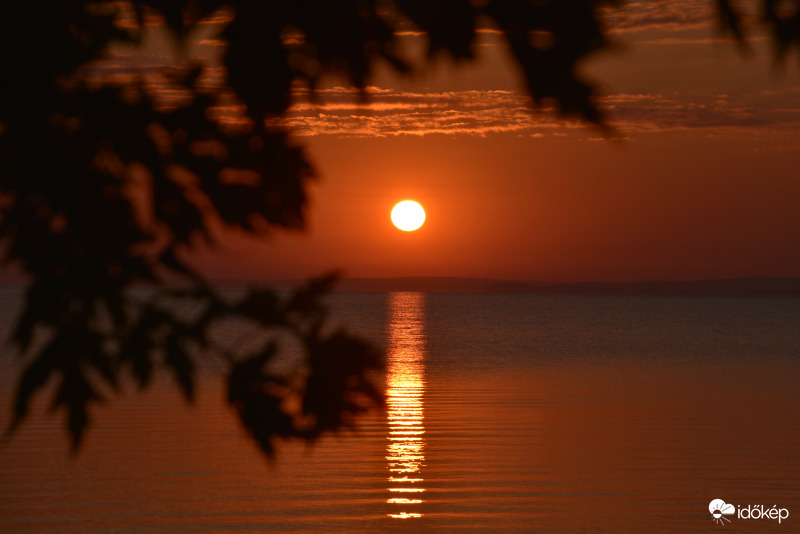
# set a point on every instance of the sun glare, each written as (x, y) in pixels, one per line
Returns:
(408, 215)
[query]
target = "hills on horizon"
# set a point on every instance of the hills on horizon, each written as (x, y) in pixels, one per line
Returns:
(753, 286)
(733, 287)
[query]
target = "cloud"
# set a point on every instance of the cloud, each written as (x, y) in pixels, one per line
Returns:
(660, 15)
(702, 41)
(388, 113)
(710, 113)
(383, 112)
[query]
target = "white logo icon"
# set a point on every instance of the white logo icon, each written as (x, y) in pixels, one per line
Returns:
(719, 509)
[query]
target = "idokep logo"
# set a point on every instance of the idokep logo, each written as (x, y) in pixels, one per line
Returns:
(719, 509)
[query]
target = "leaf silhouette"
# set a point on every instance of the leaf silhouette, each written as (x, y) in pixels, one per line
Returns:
(103, 189)
(450, 25)
(177, 358)
(74, 395)
(258, 398)
(338, 387)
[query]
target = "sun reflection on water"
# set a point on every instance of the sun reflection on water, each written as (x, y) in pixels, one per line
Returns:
(405, 388)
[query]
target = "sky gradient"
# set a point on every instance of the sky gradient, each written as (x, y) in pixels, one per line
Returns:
(697, 180)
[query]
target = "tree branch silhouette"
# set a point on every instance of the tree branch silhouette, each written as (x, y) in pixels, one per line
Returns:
(103, 188)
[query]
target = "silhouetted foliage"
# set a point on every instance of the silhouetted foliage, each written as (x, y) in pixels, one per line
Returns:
(104, 188)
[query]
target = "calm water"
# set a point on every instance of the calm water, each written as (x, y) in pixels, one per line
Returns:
(506, 413)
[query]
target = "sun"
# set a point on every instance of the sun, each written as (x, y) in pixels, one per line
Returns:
(408, 215)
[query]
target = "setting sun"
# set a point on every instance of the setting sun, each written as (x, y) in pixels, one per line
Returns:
(408, 215)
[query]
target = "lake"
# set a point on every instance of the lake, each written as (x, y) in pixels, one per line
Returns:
(505, 413)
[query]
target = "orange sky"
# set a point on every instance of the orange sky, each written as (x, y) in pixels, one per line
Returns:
(703, 181)
(703, 185)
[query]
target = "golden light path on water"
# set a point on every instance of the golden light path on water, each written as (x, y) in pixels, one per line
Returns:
(405, 388)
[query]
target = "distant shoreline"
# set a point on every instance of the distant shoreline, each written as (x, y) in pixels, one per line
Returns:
(729, 287)
(750, 287)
